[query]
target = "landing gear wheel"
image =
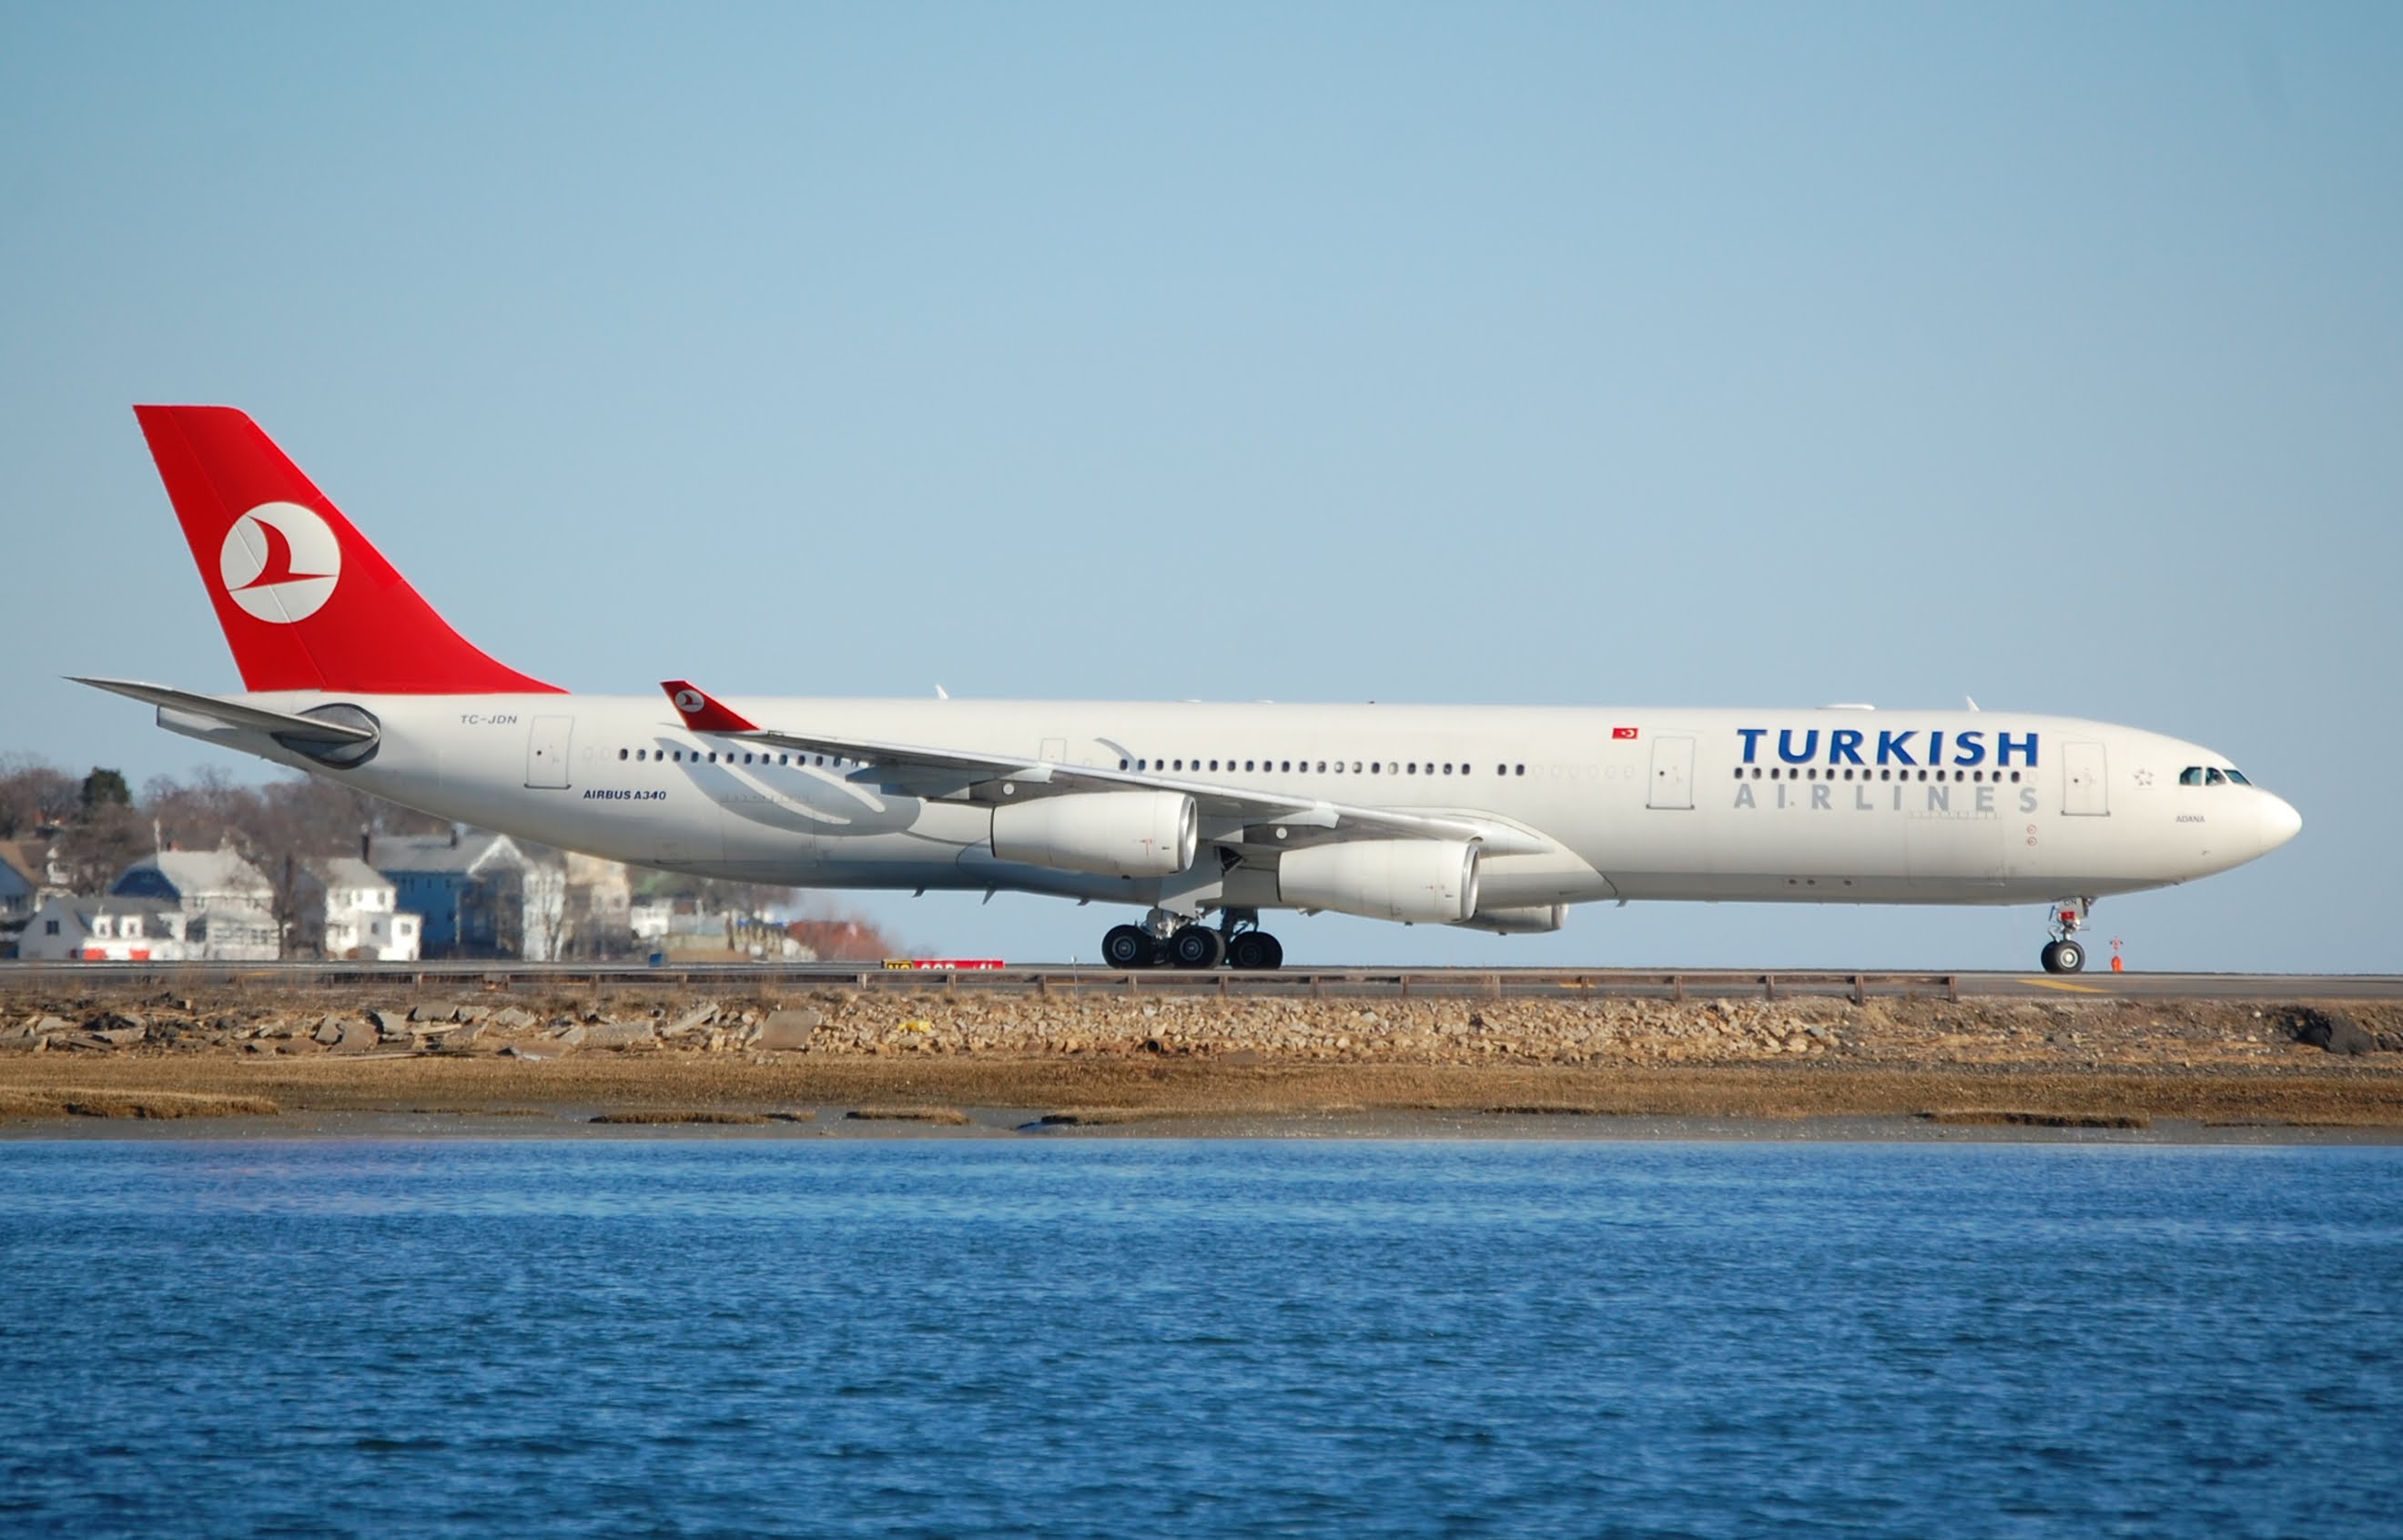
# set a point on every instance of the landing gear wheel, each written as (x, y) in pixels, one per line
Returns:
(1127, 947)
(2067, 957)
(1254, 950)
(1197, 947)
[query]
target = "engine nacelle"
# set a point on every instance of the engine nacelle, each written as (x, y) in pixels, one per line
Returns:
(1423, 881)
(1100, 833)
(1528, 919)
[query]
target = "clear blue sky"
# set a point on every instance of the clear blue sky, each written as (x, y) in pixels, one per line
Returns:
(1751, 355)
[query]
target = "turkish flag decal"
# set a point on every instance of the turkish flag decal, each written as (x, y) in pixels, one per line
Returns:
(1622, 732)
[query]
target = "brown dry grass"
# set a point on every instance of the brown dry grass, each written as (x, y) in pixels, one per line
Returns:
(1094, 1087)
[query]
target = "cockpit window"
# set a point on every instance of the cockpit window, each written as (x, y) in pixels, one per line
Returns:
(2191, 776)
(2238, 776)
(2212, 778)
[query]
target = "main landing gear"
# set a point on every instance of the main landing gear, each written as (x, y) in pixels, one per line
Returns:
(1169, 940)
(2062, 954)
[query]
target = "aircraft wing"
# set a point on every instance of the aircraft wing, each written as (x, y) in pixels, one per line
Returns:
(1324, 820)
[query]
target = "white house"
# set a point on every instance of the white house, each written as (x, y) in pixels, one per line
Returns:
(105, 929)
(228, 909)
(600, 906)
(345, 908)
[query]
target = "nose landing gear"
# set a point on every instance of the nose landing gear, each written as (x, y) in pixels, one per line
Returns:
(2062, 954)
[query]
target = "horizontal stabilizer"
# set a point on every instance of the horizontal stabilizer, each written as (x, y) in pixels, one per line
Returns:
(231, 713)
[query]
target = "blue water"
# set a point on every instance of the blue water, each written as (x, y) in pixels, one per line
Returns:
(696, 1337)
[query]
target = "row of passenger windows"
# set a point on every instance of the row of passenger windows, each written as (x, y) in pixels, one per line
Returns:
(1813, 774)
(1321, 766)
(2202, 775)
(697, 757)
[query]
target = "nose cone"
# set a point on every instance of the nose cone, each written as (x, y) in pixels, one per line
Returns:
(2280, 821)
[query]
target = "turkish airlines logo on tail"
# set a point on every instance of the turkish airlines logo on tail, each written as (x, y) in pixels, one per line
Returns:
(688, 702)
(280, 562)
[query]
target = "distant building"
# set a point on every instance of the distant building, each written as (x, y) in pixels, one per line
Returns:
(228, 909)
(110, 929)
(600, 907)
(478, 894)
(345, 909)
(21, 881)
(695, 933)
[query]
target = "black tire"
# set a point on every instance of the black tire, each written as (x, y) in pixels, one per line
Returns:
(1197, 947)
(2068, 957)
(1127, 947)
(1254, 951)
(2050, 957)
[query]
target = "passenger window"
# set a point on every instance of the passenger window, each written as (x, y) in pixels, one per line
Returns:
(622, 754)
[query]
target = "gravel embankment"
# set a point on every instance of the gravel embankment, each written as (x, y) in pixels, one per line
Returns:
(1097, 1058)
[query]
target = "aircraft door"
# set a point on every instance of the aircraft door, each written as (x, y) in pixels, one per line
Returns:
(2084, 789)
(547, 752)
(1673, 773)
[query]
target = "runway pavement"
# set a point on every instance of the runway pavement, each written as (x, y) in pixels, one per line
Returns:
(1044, 979)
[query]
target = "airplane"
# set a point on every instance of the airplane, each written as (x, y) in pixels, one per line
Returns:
(1496, 818)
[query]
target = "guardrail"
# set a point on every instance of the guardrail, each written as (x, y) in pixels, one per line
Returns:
(1038, 980)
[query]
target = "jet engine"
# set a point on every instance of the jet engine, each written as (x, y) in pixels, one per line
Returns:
(1528, 919)
(1101, 833)
(1428, 882)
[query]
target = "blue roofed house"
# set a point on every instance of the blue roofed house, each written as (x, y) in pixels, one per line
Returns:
(228, 908)
(478, 894)
(24, 879)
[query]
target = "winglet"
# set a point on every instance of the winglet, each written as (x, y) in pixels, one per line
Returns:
(700, 712)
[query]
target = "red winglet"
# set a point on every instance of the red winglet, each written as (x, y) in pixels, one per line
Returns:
(702, 711)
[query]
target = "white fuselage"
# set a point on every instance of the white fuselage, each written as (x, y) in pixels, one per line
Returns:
(1840, 805)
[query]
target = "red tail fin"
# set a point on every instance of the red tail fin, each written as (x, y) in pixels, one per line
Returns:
(306, 603)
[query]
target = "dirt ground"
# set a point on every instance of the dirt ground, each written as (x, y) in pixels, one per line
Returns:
(661, 1055)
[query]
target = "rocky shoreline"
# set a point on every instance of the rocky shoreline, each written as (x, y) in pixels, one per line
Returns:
(653, 1053)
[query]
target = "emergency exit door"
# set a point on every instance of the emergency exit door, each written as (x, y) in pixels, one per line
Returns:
(547, 751)
(2084, 789)
(1673, 773)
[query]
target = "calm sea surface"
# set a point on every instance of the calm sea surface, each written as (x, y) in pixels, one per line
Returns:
(698, 1337)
